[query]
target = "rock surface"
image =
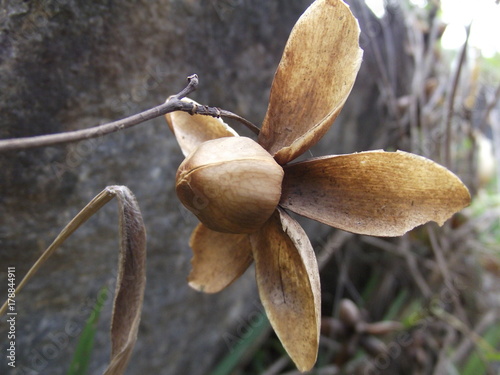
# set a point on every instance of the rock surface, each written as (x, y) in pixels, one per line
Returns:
(66, 65)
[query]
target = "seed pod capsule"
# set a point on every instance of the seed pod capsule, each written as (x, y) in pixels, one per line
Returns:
(231, 184)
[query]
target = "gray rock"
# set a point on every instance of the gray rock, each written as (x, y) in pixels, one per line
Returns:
(66, 65)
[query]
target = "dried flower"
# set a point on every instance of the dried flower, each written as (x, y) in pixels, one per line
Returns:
(240, 189)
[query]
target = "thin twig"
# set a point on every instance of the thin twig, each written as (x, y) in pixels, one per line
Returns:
(191, 86)
(493, 102)
(460, 326)
(277, 366)
(333, 244)
(443, 361)
(466, 344)
(451, 100)
(384, 83)
(445, 272)
(248, 124)
(331, 248)
(411, 261)
(403, 250)
(341, 280)
(173, 103)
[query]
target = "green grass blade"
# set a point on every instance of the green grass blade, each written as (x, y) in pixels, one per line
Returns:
(397, 305)
(242, 346)
(81, 358)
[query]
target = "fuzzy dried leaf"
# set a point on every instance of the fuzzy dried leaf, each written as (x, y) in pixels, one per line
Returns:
(192, 130)
(130, 283)
(288, 281)
(313, 80)
(375, 193)
(219, 258)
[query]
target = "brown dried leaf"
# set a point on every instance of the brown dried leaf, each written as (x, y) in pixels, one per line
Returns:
(375, 193)
(288, 281)
(314, 78)
(192, 130)
(130, 283)
(219, 258)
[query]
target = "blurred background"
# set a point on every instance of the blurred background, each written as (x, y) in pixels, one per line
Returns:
(424, 303)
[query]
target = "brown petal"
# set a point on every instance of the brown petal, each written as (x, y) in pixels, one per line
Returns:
(219, 258)
(316, 74)
(376, 193)
(288, 281)
(192, 130)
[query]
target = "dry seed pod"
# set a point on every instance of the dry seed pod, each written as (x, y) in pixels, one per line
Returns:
(373, 345)
(349, 313)
(231, 184)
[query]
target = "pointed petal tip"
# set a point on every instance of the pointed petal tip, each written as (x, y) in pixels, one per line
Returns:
(374, 193)
(289, 287)
(305, 101)
(201, 288)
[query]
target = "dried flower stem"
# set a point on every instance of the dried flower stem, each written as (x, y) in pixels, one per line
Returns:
(451, 100)
(174, 103)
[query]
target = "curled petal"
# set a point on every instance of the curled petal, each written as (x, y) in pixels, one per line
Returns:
(219, 258)
(288, 281)
(375, 193)
(193, 130)
(315, 75)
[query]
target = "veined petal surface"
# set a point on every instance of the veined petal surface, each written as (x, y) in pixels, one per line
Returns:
(375, 193)
(288, 280)
(313, 80)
